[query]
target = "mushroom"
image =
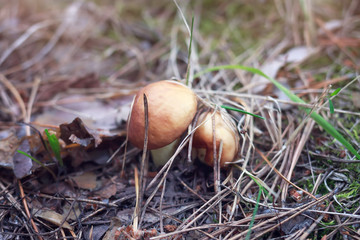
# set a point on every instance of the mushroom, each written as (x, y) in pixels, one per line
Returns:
(225, 131)
(171, 108)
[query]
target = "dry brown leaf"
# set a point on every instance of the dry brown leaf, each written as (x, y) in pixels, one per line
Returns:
(71, 211)
(53, 217)
(22, 163)
(107, 191)
(9, 142)
(86, 180)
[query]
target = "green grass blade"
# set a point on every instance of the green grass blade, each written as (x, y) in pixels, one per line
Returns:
(335, 92)
(242, 111)
(317, 118)
(248, 235)
(38, 162)
(31, 157)
(331, 106)
(55, 146)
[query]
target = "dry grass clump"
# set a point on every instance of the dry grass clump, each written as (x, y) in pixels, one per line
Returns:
(291, 179)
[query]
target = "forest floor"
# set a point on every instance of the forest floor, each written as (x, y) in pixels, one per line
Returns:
(69, 71)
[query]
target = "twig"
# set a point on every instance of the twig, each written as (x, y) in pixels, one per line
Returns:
(79, 200)
(139, 198)
(22, 194)
(31, 30)
(161, 208)
(16, 94)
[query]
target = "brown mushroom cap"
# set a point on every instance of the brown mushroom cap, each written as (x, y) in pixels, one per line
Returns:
(171, 108)
(224, 131)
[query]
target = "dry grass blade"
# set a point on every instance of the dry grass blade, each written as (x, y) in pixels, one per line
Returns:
(141, 183)
(34, 91)
(138, 203)
(16, 94)
(282, 176)
(16, 44)
(294, 212)
(299, 148)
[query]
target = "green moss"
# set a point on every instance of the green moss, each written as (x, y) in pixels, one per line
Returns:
(352, 191)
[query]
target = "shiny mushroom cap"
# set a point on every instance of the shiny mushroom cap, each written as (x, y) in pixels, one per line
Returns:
(225, 131)
(171, 108)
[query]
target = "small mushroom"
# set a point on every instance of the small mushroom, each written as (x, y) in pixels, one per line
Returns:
(171, 108)
(225, 131)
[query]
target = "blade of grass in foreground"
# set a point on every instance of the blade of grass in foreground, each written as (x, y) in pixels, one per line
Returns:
(242, 111)
(317, 118)
(38, 162)
(55, 146)
(261, 189)
(248, 235)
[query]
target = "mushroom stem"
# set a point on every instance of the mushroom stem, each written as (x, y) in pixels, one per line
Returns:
(161, 155)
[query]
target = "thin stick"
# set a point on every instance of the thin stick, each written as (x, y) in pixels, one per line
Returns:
(126, 141)
(16, 94)
(143, 159)
(161, 207)
(137, 207)
(22, 194)
(215, 158)
(31, 30)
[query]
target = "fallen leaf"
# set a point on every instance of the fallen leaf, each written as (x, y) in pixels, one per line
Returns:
(97, 232)
(96, 114)
(59, 187)
(77, 132)
(107, 191)
(86, 180)
(22, 163)
(271, 67)
(9, 142)
(53, 217)
(71, 211)
(111, 232)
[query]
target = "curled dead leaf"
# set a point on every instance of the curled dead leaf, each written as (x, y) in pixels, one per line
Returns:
(53, 217)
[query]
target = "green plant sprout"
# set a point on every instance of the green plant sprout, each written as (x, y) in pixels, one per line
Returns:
(315, 116)
(242, 111)
(331, 105)
(55, 146)
(38, 162)
(261, 189)
(248, 235)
